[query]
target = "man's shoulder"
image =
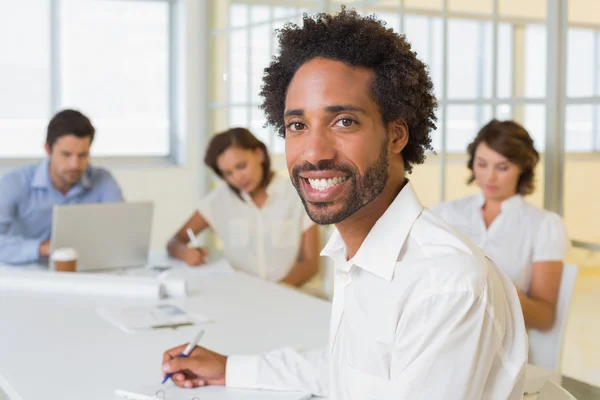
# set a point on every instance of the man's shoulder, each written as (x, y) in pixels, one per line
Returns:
(439, 239)
(18, 178)
(100, 175)
(451, 259)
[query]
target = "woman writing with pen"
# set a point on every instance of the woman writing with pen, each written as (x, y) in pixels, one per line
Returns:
(257, 215)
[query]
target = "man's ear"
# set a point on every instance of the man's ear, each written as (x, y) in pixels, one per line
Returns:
(398, 131)
(48, 149)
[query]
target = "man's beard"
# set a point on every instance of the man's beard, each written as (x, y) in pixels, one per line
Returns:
(363, 190)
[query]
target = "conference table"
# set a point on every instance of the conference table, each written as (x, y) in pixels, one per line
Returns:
(55, 346)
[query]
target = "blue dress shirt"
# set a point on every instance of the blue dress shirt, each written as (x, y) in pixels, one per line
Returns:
(27, 196)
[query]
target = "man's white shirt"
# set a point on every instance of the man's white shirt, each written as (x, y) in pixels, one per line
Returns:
(418, 313)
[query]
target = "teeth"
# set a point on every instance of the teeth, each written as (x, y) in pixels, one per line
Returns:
(323, 184)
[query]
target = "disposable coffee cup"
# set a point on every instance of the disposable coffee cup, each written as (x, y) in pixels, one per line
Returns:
(65, 260)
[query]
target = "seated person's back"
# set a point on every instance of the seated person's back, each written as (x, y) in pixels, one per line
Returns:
(29, 193)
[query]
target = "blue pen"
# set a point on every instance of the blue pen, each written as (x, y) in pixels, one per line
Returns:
(187, 351)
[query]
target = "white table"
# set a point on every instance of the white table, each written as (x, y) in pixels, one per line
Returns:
(57, 347)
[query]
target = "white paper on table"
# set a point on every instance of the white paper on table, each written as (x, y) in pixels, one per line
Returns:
(172, 392)
(146, 317)
(77, 283)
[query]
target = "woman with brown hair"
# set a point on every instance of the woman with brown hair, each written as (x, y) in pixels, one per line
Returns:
(258, 215)
(526, 242)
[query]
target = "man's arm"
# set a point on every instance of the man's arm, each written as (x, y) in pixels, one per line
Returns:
(283, 369)
(14, 249)
(453, 346)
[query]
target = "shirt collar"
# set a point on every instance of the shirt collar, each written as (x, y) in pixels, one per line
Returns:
(379, 251)
(86, 180)
(479, 200)
(511, 203)
(41, 177)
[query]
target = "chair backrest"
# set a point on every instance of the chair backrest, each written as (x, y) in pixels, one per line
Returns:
(552, 391)
(545, 348)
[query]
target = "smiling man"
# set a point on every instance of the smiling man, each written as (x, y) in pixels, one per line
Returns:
(419, 312)
(27, 194)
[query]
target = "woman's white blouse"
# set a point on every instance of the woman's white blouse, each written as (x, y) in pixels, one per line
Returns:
(521, 234)
(264, 242)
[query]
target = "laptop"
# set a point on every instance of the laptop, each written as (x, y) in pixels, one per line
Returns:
(105, 235)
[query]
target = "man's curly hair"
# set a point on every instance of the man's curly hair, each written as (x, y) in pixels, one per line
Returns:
(402, 87)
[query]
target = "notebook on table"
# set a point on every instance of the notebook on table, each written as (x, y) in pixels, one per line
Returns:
(172, 392)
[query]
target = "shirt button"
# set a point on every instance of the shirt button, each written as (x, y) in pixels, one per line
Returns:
(346, 276)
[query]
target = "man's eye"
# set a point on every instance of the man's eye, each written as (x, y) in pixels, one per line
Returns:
(295, 126)
(345, 122)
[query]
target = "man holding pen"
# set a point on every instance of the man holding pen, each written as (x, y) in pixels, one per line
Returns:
(418, 311)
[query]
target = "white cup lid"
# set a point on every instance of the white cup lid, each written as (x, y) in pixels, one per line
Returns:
(64, 254)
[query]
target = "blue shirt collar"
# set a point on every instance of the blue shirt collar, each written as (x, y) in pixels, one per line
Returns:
(41, 177)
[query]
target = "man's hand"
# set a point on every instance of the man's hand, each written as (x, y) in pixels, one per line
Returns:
(45, 249)
(202, 367)
(195, 256)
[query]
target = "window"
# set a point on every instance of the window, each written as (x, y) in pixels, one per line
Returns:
(583, 68)
(535, 61)
(108, 58)
(25, 87)
(472, 98)
(248, 33)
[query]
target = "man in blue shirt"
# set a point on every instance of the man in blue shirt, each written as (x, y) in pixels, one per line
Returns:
(28, 194)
